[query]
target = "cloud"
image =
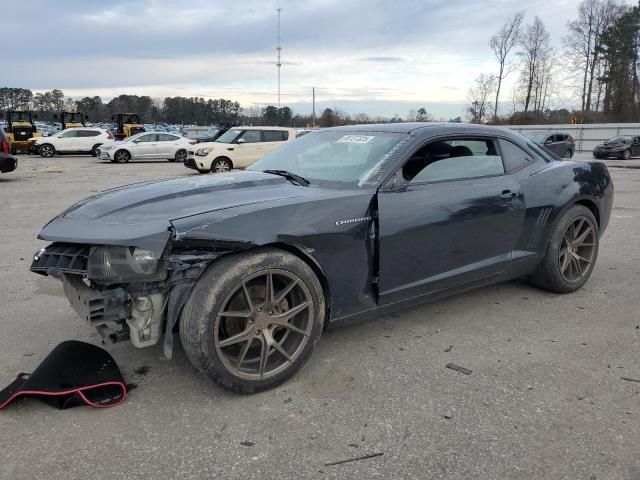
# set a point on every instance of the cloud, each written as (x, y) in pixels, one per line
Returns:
(382, 59)
(351, 50)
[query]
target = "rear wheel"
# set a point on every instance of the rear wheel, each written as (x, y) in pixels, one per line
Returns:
(181, 156)
(252, 320)
(47, 150)
(221, 165)
(94, 149)
(626, 155)
(121, 156)
(571, 253)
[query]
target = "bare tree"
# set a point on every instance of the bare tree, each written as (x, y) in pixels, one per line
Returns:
(501, 43)
(584, 42)
(479, 106)
(534, 48)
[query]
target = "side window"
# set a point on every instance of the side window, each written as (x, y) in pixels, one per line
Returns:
(165, 137)
(274, 135)
(70, 134)
(251, 136)
(453, 160)
(148, 138)
(513, 156)
(88, 133)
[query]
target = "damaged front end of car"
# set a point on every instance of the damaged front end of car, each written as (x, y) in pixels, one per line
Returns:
(129, 292)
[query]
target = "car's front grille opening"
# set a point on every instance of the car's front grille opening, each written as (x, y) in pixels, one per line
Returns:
(62, 258)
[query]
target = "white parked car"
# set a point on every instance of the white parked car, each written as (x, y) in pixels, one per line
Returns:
(147, 146)
(238, 147)
(71, 140)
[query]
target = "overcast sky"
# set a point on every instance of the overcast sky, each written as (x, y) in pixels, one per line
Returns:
(374, 56)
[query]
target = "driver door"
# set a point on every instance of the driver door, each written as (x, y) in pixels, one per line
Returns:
(247, 149)
(67, 141)
(450, 216)
(635, 147)
(146, 146)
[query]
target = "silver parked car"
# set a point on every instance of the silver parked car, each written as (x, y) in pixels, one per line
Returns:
(147, 146)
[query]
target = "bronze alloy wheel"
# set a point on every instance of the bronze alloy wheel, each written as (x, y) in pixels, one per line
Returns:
(578, 248)
(264, 324)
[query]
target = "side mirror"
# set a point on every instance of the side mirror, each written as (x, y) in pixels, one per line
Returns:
(240, 140)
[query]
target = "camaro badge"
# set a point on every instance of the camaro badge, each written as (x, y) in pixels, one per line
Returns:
(353, 220)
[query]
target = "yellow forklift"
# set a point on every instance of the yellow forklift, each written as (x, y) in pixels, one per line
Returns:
(20, 128)
(127, 124)
(71, 119)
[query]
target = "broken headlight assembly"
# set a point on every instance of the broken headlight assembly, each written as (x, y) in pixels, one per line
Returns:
(115, 264)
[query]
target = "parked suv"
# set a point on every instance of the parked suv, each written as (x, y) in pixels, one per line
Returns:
(562, 144)
(238, 147)
(8, 163)
(623, 147)
(71, 140)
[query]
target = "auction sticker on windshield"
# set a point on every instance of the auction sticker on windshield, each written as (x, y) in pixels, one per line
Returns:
(355, 139)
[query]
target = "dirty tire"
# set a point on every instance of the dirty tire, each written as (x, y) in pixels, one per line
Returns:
(47, 150)
(549, 275)
(235, 278)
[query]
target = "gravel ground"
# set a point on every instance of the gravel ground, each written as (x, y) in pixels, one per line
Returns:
(545, 399)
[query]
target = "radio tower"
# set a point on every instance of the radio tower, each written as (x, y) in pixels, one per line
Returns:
(279, 49)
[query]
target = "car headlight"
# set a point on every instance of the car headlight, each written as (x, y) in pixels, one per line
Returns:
(115, 264)
(108, 147)
(203, 152)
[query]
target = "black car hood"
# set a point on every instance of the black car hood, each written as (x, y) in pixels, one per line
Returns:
(141, 214)
(170, 199)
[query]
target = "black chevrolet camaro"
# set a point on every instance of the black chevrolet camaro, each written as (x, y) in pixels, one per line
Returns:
(341, 225)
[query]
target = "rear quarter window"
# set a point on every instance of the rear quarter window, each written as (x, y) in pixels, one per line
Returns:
(275, 136)
(513, 156)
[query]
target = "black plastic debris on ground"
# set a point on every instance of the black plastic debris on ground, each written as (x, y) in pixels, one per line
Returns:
(458, 368)
(74, 373)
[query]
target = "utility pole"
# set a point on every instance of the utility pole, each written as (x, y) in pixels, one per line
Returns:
(279, 63)
(313, 114)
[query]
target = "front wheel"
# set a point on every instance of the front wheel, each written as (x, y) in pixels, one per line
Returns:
(252, 320)
(221, 165)
(121, 156)
(571, 252)
(626, 155)
(47, 151)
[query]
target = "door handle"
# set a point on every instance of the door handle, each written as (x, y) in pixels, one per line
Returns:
(230, 149)
(508, 195)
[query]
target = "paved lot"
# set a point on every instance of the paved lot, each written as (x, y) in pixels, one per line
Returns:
(545, 399)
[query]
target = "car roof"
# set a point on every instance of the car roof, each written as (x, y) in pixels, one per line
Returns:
(242, 127)
(424, 129)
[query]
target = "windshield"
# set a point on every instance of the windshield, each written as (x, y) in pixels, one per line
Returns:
(73, 117)
(538, 137)
(20, 117)
(136, 136)
(619, 140)
(336, 156)
(229, 136)
(130, 119)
